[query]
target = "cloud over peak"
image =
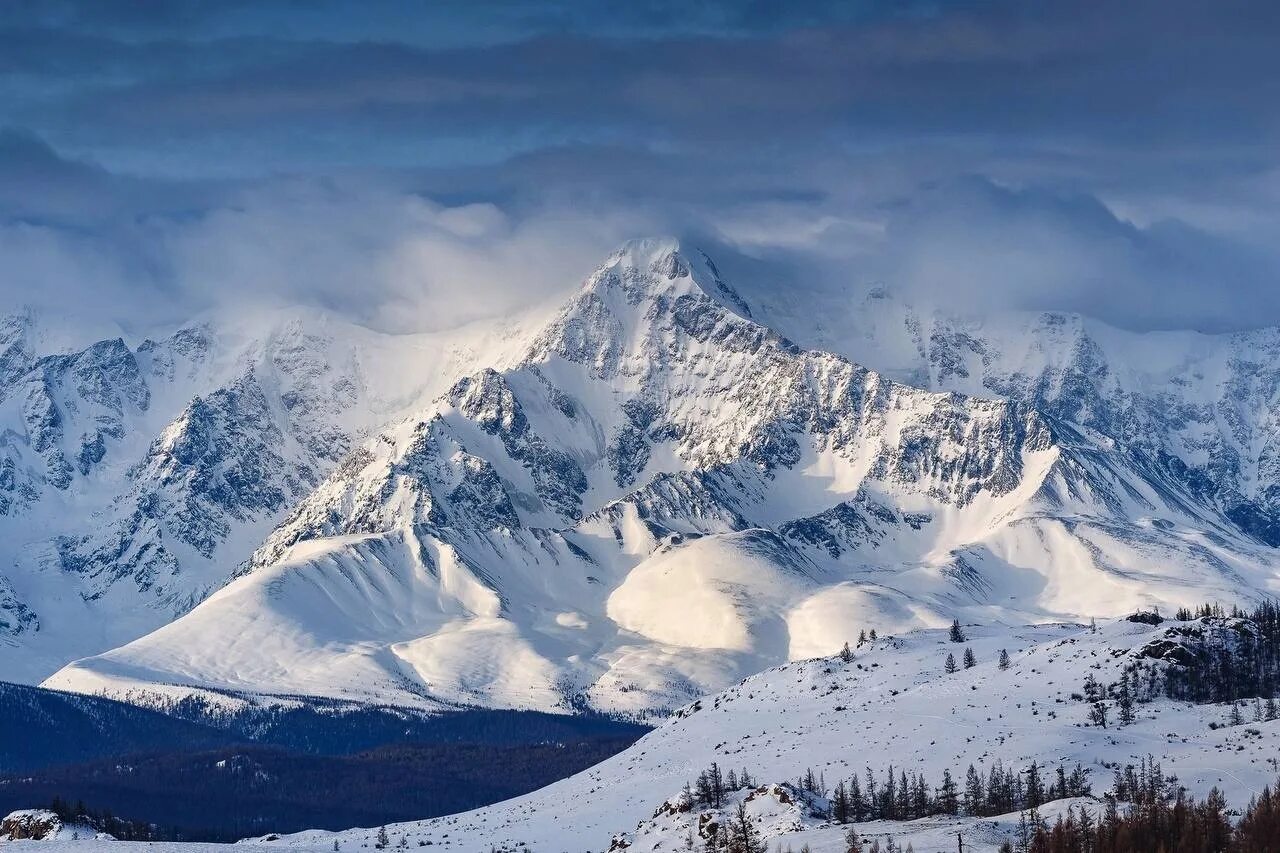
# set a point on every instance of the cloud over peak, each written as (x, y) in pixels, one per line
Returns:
(1113, 159)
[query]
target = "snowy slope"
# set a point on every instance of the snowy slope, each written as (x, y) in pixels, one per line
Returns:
(135, 477)
(662, 495)
(893, 704)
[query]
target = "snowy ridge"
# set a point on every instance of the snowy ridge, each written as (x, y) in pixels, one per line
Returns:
(662, 495)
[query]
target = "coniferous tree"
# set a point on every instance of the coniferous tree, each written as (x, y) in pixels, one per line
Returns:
(1004, 659)
(744, 836)
(950, 665)
(1060, 789)
(840, 810)
(888, 798)
(846, 654)
(957, 635)
(948, 801)
(921, 803)
(872, 798)
(1124, 701)
(852, 843)
(702, 791)
(1079, 783)
(973, 798)
(1259, 827)
(1035, 787)
(969, 659)
(857, 805)
(717, 784)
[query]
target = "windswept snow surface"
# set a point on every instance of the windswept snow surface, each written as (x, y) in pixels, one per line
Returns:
(660, 495)
(893, 704)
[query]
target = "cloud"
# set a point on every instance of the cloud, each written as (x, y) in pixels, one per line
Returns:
(976, 246)
(384, 257)
(427, 250)
(1077, 74)
(373, 252)
(433, 164)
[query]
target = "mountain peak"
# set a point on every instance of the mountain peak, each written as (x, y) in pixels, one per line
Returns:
(647, 268)
(645, 292)
(649, 248)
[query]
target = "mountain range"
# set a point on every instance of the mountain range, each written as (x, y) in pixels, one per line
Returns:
(633, 499)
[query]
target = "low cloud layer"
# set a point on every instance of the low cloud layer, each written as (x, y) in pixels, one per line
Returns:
(418, 168)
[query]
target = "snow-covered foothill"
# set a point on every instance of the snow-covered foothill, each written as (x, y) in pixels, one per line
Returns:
(893, 704)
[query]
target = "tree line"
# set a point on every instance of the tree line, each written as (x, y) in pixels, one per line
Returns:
(1248, 666)
(104, 821)
(899, 795)
(1180, 825)
(1238, 663)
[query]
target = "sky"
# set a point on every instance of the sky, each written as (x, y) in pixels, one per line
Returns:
(417, 165)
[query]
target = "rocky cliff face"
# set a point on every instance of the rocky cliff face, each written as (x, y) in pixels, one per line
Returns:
(662, 494)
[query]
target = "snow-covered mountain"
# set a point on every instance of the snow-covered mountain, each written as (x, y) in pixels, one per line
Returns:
(659, 494)
(135, 477)
(1201, 408)
(892, 707)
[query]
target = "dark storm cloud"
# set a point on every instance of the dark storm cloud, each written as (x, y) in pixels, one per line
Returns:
(1107, 157)
(1138, 71)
